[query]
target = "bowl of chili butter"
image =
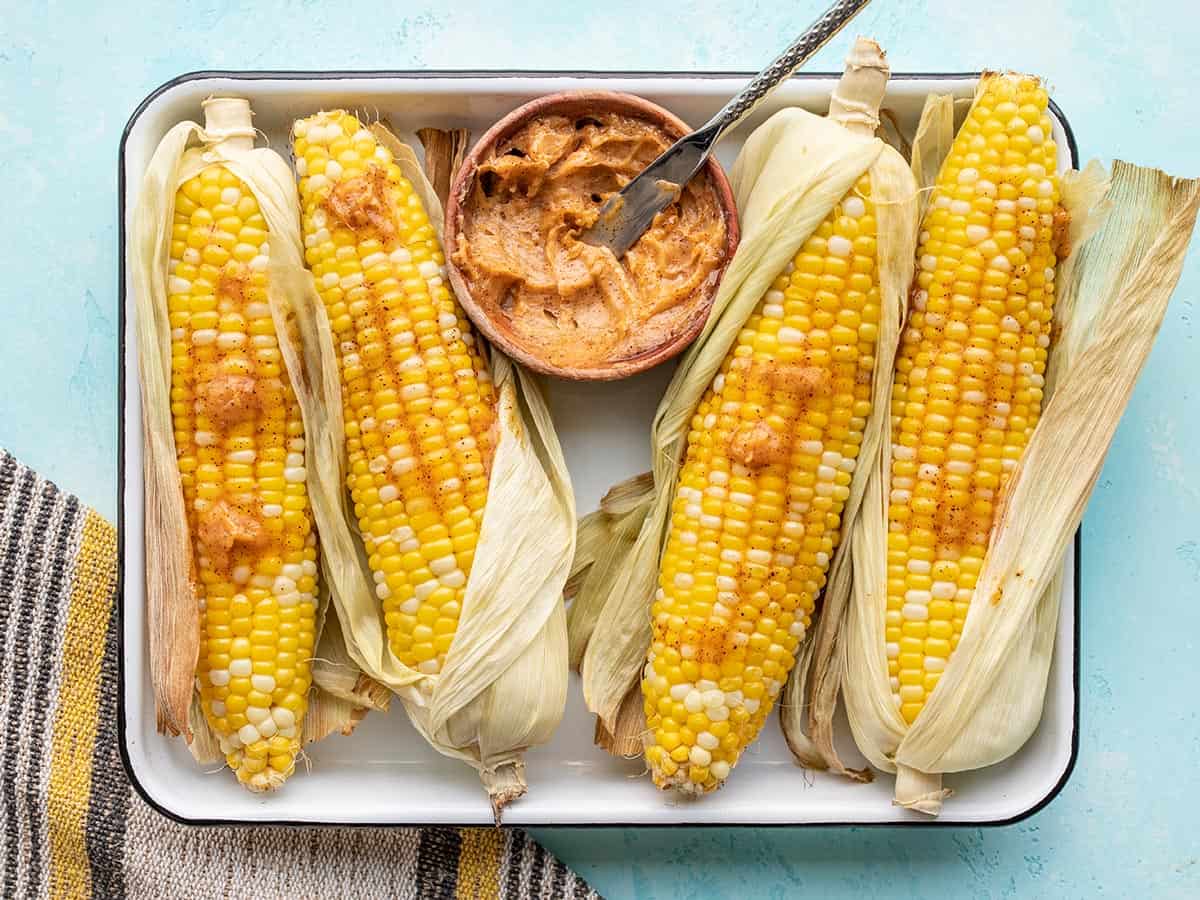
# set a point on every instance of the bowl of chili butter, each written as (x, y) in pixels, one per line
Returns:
(520, 201)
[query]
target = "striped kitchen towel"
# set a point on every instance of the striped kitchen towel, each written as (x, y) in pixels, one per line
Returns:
(71, 825)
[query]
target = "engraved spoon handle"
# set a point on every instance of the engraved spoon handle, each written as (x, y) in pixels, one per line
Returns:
(783, 66)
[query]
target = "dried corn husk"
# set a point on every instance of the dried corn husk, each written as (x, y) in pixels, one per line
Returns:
(1129, 239)
(931, 144)
(444, 154)
(186, 150)
(790, 174)
(892, 134)
(606, 537)
(504, 684)
(334, 670)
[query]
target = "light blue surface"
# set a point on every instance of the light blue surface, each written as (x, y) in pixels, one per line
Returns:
(70, 74)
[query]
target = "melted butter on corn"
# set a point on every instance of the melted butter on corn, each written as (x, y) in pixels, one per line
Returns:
(756, 515)
(969, 373)
(419, 403)
(240, 448)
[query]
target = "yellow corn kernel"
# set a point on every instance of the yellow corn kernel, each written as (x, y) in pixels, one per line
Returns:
(240, 441)
(756, 514)
(421, 408)
(976, 340)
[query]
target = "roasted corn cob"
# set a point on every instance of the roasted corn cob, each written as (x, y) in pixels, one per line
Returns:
(240, 445)
(969, 372)
(418, 400)
(756, 515)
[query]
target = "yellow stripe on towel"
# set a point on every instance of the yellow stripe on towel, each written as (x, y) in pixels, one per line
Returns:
(75, 720)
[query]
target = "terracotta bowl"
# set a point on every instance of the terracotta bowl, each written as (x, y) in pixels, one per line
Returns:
(492, 321)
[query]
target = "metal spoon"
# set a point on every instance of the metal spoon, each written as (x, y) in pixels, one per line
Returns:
(626, 215)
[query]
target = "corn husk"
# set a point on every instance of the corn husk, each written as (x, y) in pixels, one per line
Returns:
(503, 687)
(606, 538)
(790, 174)
(335, 672)
(445, 151)
(892, 134)
(931, 144)
(1129, 238)
(173, 615)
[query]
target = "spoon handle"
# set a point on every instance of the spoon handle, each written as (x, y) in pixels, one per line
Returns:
(784, 65)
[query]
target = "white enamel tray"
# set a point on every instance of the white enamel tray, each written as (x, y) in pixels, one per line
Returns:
(385, 773)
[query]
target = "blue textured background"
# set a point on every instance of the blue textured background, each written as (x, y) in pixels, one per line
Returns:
(70, 74)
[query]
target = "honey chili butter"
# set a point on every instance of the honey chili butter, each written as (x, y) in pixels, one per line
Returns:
(569, 307)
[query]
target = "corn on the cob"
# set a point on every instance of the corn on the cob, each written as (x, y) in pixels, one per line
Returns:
(418, 400)
(756, 515)
(969, 373)
(240, 447)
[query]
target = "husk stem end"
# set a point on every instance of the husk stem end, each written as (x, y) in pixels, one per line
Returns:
(229, 119)
(920, 791)
(856, 99)
(504, 783)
